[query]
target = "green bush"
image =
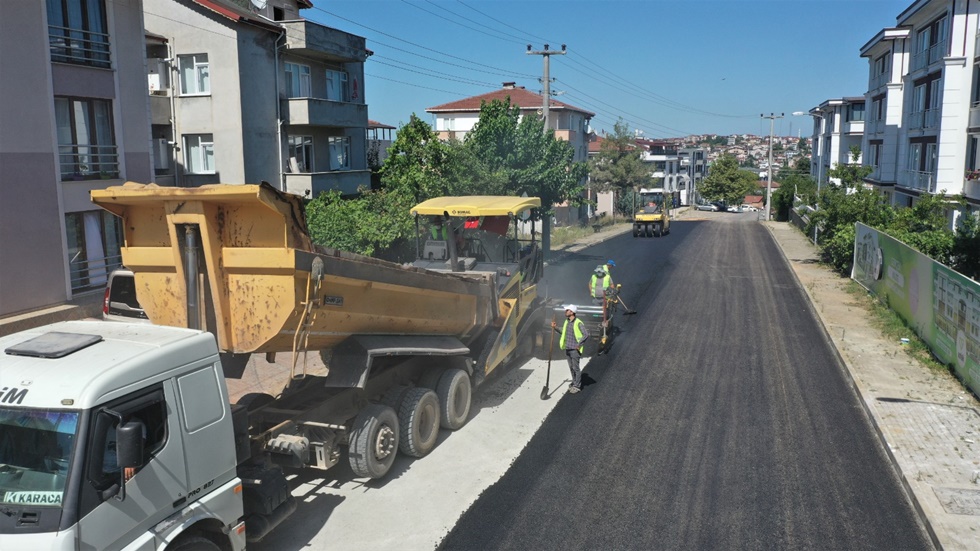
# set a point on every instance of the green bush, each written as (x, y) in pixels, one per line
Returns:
(839, 249)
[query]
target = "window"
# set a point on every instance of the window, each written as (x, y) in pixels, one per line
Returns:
(874, 154)
(94, 239)
(878, 109)
(337, 86)
(300, 154)
(86, 145)
(339, 153)
(77, 32)
(199, 153)
(149, 409)
(855, 112)
(195, 75)
(973, 153)
(880, 65)
(975, 93)
(297, 80)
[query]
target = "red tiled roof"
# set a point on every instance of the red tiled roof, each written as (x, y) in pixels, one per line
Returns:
(518, 96)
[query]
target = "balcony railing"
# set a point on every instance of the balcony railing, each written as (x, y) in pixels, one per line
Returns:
(878, 81)
(920, 60)
(86, 162)
(931, 119)
(922, 181)
(79, 46)
(87, 274)
(937, 51)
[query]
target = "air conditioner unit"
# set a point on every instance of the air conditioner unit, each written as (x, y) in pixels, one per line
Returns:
(157, 74)
(161, 154)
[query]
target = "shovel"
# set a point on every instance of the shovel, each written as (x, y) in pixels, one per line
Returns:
(629, 311)
(547, 378)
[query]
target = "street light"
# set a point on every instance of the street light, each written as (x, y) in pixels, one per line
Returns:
(819, 167)
(772, 120)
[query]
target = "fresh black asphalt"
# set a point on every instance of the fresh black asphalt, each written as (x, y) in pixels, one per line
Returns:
(720, 419)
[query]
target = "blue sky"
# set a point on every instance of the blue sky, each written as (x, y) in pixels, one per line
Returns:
(668, 67)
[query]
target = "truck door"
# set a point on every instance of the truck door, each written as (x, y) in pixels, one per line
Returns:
(157, 487)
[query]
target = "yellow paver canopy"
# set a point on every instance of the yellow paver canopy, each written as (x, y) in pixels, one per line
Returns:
(476, 205)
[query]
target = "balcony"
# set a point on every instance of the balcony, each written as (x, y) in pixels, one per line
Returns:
(921, 181)
(878, 81)
(924, 120)
(79, 47)
(311, 184)
(323, 112)
(88, 162)
(974, 115)
(310, 39)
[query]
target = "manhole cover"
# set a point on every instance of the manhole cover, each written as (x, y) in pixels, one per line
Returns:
(958, 501)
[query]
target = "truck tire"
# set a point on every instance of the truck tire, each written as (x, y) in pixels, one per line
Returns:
(649, 230)
(373, 441)
(657, 231)
(455, 397)
(418, 419)
(254, 400)
(193, 543)
(636, 232)
(393, 398)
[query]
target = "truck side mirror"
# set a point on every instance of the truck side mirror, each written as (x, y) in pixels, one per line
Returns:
(129, 444)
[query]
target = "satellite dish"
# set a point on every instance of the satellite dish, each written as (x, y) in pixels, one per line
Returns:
(259, 4)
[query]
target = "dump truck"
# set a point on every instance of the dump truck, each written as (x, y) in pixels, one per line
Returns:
(121, 435)
(651, 217)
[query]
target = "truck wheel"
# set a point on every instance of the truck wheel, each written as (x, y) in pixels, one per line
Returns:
(393, 398)
(455, 397)
(373, 441)
(193, 543)
(418, 418)
(657, 232)
(254, 400)
(636, 232)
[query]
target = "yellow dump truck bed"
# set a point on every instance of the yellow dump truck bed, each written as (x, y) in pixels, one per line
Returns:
(256, 261)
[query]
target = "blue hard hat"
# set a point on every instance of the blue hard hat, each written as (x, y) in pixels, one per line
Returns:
(611, 262)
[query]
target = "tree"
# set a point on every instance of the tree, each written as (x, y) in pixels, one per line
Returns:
(851, 175)
(965, 253)
(417, 162)
(619, 166)
(366, 224)
(725, 182)
(511, 155)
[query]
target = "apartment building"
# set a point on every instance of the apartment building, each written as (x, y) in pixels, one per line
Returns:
(693, 169)
(838, 125)
(73, 119)
(223, 74)
(453, 120)
(924, 103)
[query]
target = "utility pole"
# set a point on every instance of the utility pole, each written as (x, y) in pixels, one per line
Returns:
(546, 54)
(772, 120)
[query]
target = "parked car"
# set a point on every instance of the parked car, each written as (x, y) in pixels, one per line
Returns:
(749, 208)
(120, 302)
(708, 206)
(722, 207)
(734, 208)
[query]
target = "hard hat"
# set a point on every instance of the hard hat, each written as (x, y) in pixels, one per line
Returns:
(600, 270)
(572, 308)
(611, 262)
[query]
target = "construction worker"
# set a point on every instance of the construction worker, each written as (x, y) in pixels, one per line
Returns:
(573, 342)
(600, 284)
(439, 232)
(609, 265)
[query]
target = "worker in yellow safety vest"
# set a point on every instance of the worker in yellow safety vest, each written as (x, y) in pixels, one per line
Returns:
(600, 283)
(573, 342)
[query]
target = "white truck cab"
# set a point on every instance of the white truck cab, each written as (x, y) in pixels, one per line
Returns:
(116, 435)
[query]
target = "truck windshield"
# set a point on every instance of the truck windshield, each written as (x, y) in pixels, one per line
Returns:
(35, 450)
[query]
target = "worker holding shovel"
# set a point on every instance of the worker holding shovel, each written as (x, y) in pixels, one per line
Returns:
(573, 342)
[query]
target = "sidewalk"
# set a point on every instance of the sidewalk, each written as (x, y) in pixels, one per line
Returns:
(928, 422)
